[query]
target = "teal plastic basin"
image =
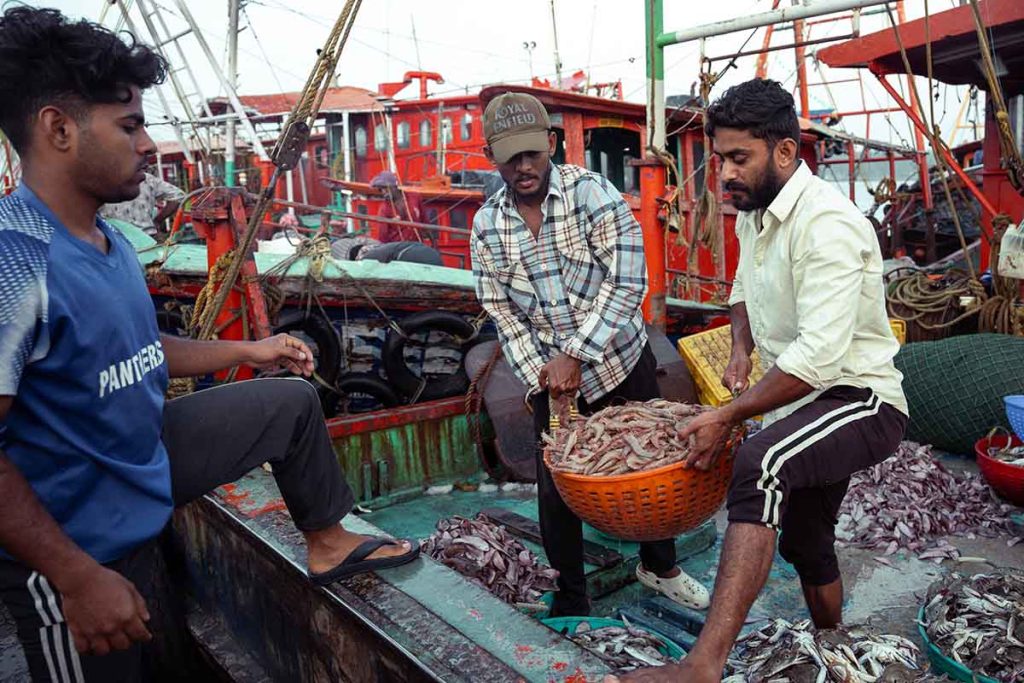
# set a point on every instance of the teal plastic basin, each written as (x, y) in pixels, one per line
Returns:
(943, 664)
(568, 626)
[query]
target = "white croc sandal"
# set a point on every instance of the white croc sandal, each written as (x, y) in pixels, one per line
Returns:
(684, 589)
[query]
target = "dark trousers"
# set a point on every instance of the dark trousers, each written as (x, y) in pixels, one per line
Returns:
(213, 437)
(793, 475)
(560, 528)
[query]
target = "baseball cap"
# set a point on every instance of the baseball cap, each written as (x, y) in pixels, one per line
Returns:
(515, 123)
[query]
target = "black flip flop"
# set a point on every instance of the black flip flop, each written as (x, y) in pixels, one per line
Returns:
(356, 562)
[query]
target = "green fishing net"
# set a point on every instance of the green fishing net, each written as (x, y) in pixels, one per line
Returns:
(955, 387)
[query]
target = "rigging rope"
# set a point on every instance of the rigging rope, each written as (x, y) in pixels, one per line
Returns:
(1011, 157)
(918, 299)
(287, 150)
(933, 135)
(925, 298)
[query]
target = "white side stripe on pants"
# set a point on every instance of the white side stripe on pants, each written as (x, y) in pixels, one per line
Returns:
(777, 456)
(52, 633)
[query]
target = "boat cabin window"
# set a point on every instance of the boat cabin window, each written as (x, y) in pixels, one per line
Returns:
(559, 156)
(466, 130)
(403, 135)
(1015, 109)
(608, 151)
(698, 165)
(380, 137)
(446, 130)
(360, 141)
(457, 218)
(426, 133)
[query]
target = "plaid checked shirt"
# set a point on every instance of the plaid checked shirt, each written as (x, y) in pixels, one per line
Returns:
(575, 289)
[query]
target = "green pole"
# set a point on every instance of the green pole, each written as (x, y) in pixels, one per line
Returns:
(654, 23)
(229, 149)
(229, 172)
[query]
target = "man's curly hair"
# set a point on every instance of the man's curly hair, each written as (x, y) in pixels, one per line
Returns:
(760, 106)
(47, 59)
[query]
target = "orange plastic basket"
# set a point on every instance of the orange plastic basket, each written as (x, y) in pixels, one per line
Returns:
(648, 506)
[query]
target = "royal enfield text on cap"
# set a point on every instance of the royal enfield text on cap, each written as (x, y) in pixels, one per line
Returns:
(515, 123)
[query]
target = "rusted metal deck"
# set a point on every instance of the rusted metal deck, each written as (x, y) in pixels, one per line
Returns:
(420, 622)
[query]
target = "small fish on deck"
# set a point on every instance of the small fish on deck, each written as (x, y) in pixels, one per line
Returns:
(623, 648)
(487, 555)
(910, 502)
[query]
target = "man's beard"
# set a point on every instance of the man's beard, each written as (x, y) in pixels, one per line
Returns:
(762, 194)
(542, 186)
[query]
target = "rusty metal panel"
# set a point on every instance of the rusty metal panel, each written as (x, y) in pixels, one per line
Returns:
(413, 623)
(391, 455)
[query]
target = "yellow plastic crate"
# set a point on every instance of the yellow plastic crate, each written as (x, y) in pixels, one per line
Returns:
(899, 328)
(707, 355)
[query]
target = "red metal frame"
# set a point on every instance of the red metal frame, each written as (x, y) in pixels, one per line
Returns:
(221, 220)
(361, 423)
(876, 46)
(256, 304)
(801, 67)
(762, 59)
(920, 126)
(652, 188)
(880, 53)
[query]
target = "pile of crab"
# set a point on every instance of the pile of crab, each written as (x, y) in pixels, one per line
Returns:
(979, 622)
(782, 651)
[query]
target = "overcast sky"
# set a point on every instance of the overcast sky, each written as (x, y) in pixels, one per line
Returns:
(473, 42)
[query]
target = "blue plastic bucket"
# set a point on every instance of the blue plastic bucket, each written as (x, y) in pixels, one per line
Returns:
(1015, 413)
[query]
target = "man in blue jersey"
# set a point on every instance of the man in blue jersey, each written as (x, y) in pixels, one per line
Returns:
(92, 460)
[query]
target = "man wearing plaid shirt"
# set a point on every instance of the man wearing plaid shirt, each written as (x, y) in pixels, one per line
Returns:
(559, 264)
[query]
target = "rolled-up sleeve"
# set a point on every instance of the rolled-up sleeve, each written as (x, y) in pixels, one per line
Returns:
(736, 294)
(829, 265)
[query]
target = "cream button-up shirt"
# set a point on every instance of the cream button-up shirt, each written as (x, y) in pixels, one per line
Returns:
(810, 273)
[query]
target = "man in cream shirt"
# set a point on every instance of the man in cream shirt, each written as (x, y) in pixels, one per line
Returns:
(808, 293)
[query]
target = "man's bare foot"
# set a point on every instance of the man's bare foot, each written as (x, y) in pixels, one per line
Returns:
(329, 547)
(684, 672)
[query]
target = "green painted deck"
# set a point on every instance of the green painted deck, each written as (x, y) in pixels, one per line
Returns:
(417, 519)
(449, 628)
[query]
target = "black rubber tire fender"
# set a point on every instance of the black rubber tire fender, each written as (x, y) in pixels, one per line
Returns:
(405, 380)
(368, 383)
(319, 329)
